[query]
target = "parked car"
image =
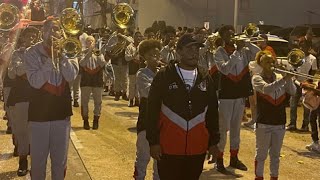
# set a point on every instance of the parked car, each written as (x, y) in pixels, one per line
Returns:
(282, 32)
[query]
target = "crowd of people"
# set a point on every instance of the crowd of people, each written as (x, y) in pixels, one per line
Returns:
(191, 86)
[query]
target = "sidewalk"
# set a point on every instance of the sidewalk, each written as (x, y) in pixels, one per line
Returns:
(9, 164)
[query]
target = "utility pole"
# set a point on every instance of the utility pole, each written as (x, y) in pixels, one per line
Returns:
(235, 15)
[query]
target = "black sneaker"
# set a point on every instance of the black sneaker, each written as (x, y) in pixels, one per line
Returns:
(125, 97)
(23, 167)
(75, 104)
(304, 128)
(9, 130)
(130, 104)
(86, 125)
(219, 166)
(291, 127)
(236, 163)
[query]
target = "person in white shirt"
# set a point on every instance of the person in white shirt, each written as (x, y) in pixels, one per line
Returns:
(310, 63)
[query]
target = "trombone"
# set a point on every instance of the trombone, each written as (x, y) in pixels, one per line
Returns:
(295, 73)
(296, 58)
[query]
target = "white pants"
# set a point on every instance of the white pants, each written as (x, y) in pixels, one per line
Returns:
(143, 158)
(269, 138)
(49, 137)
(132, 90)
(120, 77)
(75, 88)
(230, 116)
(97, 100)
(20, 126)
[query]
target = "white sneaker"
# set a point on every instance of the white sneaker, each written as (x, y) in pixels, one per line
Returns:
(314, 146)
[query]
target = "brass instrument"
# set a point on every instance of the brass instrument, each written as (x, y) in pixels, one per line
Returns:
(213, 42)
(122, 16)
(251, 30)
(9, 16)
(249, 34)
(71, 23)
(295, 59)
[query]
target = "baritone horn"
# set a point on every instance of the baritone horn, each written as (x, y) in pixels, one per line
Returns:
(123, 17)
(9, 16)
(71, 23)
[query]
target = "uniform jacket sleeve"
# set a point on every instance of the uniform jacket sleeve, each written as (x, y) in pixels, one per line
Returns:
(38, 72)
(290, 87)
(212, 116)
(130, 52)
(153, 109)
(143, 84)
(224, 62)
(69, 69)
(266, 88)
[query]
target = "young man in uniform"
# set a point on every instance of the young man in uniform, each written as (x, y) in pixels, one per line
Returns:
(182, 117)
(92, 67)
(235, 85)
(50, 105)
(149, 51)
(271, 114)
(18, 100)
(131, 55)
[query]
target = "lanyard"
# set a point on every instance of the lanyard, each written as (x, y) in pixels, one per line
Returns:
(187, 86)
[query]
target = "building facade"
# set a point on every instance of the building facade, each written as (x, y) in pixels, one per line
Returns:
(192, 13)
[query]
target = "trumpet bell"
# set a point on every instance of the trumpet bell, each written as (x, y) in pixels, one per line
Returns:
(122, 15)
(9, 16)
(71, 21)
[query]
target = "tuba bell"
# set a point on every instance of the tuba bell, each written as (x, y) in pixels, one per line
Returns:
(9, 16)
(122, 15)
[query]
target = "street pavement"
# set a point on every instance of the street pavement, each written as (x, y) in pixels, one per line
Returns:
(109, 153)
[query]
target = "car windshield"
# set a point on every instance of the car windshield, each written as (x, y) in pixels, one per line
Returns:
(281, 48)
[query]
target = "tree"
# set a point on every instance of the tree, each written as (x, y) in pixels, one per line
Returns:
(104, 10)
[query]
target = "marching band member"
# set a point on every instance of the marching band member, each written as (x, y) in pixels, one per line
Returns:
(149, 51)
(271, 114)
(168, 52)
(50, 103)
(312, 100)
(18, 99)
(119, 64)
(131, 55)
(262, 42)
(92, 66)
(235, 86)
(310, 63)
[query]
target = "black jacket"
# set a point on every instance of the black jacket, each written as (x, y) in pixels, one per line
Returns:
(182, 123)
